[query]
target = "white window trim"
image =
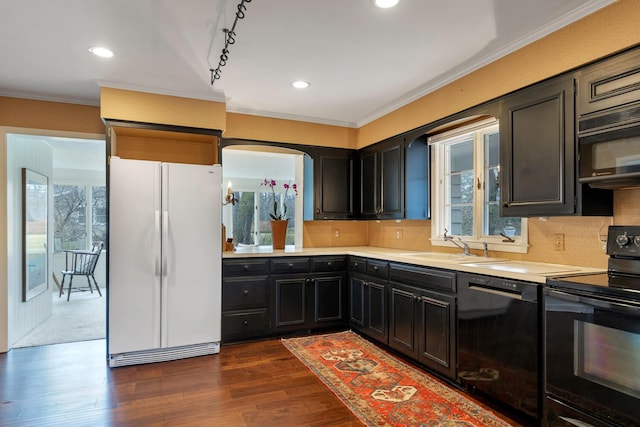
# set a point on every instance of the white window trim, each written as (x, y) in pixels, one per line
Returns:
(438, 221)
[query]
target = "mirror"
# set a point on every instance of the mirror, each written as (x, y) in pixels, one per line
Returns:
(35, 200)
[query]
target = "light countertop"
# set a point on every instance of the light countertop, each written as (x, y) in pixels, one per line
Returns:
(500, 267)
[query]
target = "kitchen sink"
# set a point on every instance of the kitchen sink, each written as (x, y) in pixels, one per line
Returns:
(445, 256)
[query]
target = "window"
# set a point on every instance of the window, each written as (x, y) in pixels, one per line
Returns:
(466, 200)
(248, 221)
(73, 222)
(252, 229)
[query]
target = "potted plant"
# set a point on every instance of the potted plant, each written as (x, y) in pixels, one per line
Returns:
(279, 220)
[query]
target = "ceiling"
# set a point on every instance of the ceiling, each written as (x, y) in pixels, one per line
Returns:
(361, 61)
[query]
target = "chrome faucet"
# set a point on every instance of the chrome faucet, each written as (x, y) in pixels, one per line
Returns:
(462, 245)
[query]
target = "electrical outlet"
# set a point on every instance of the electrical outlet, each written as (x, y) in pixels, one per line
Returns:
(398, 234)
(558, 242)
(336, 232)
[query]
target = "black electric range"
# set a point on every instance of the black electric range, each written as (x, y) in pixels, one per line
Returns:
(592, 336)
(622, 278)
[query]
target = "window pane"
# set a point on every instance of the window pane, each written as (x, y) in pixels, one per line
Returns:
(461, 220)
(290, 202)
(99, 214)
(461, 156)
(243, 218)
(460, 188)
(494, 224)
(266, 209)
(69, 217)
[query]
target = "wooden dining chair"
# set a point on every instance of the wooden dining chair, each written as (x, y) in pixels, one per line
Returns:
(81, 263)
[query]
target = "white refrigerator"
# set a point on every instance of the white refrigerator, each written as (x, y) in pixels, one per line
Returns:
(164, 287)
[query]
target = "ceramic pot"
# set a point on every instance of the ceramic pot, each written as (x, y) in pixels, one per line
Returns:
(279, 233)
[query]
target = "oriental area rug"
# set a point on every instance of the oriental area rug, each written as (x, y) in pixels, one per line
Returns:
(380, 389)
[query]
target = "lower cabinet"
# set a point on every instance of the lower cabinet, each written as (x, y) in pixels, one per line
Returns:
(422, 321)
(310, 300)
(245, 299)
(307, 301)
(368, 307)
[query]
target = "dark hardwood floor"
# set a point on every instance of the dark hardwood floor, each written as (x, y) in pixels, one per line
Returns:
(254, 384)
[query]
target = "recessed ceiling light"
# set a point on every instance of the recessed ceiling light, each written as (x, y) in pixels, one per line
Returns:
(300, 84)
(102, 52)
(385, 4)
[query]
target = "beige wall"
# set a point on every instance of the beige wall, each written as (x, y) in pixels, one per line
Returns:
(609, 30)
(119, 104)
(244, 126)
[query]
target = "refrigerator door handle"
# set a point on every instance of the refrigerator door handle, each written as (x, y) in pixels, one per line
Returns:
(156, 244)
(165, 245)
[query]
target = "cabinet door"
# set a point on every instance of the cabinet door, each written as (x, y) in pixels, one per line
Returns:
(289, 296)
(376, 311)
(403, 328)
(333, 186)
(437, 332)
(537, 150)
(357, 289)
(369, 183)
(392, 180)
(329, 299)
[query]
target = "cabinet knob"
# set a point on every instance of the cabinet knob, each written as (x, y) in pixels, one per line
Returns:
(245, 323)
(245, 267)
(291, 265)
(355, 264)
(329, 264)
(375, 268)
(245, 292)
(506, 204)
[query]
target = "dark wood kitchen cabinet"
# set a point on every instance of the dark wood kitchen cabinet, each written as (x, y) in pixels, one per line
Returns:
(422, 316)
(381, 180)
(538, 175)
(607, 86)
(245, 298)
(368, 300)
(307, 293)
(334, 184)
(537, 150)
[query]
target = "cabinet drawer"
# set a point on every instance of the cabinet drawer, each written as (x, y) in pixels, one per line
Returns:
(244, 292)
(244, 324)
(612, 83)
(245, 267)
(378, 268)
(321, 264)
(425, 278)
(290, 265)
(357, 264)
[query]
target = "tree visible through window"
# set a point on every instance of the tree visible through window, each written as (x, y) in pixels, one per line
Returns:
(71, 216)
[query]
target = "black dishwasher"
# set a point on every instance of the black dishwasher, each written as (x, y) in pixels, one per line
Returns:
(499, 336)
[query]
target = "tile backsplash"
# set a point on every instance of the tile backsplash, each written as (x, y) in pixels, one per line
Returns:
(582, 245)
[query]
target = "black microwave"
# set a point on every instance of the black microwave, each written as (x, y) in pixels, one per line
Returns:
(610, 159)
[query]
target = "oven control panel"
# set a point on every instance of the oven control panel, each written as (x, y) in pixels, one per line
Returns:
(624, 240)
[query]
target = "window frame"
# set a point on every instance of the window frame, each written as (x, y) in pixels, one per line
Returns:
(439, 220)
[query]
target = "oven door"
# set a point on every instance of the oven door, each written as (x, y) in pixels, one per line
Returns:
(592, 349)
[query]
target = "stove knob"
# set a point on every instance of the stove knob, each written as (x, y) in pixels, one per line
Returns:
(622, 240)
(636, 240)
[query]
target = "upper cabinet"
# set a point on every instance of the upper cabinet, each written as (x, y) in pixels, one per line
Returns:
(537, 150)
(606, 86)
(394, 178)
(538, 175)
(382, 180)
(333, 184)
